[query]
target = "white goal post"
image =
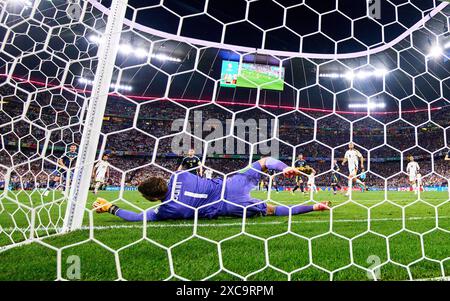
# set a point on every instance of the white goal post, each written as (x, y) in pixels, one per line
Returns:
(107, 53)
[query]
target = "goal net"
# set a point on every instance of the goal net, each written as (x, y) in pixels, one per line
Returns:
(98, 96)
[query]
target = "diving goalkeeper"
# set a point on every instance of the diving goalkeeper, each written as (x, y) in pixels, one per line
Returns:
(194, 191)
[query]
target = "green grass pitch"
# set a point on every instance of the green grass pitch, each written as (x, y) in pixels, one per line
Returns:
(402, 232)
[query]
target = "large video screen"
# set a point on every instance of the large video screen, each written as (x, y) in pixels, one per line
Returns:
(266, 76)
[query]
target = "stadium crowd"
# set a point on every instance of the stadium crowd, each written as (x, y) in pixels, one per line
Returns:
(131, 147)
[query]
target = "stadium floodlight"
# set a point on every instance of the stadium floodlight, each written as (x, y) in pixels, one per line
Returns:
(89, 82)
(164, 57)
(26, 3)
(141, 53)
(363, 74)
(370, 105)
(380, 72)
(94, 39)
(127, 49)
(121, 87)
(331, 75)
(436, 51)
(349, 75)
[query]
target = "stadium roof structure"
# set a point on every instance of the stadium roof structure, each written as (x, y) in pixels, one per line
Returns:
(284, 33)
(287, 33)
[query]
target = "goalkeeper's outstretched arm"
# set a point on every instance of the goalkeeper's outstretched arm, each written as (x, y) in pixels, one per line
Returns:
(271, 163)
(297, 209)
(102, 206)
(274, 164)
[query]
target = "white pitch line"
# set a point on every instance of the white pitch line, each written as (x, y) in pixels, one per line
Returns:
(186, 225)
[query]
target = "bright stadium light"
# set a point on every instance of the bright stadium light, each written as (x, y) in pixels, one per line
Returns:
(380, 72)
(435, 51)
(89, 82)
(331, 75)
(141, 53)
(26, 3)
(127, 49)
(121, 87)
(363, 74)
(349, 75)
(94, 39)
(370, 105)
(164, 57)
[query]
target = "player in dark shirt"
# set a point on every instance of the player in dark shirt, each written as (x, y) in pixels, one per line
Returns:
(191, 162)
(65, 164)
(334, 179)
(301, 165)
(275, 186)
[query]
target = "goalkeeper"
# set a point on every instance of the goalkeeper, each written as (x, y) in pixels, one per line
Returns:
(186, 191)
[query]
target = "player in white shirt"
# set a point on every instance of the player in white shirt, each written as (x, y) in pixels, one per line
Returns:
(412, 169)
(419, 182)
(208, 174)
(101, 173)
(311, 183)
(353, 157)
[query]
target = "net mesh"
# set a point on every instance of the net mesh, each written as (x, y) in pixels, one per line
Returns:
(168, 95)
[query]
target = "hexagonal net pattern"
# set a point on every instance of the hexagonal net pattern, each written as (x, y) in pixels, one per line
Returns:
(267, 79)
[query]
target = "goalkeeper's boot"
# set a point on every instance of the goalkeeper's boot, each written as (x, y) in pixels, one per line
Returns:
(101, 205)
(322, 206)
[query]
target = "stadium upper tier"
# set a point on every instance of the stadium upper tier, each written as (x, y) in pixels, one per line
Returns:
(163, 118)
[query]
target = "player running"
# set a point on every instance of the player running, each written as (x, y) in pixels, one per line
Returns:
(301, 165)
(190, 162)
(101, 173)
(334, 179)
(352, 156)
(412, 169)
(194, 191)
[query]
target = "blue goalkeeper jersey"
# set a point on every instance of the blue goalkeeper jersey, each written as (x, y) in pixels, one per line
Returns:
(193, 191)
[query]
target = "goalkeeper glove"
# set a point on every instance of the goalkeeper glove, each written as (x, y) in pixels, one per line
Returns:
(101, 206)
